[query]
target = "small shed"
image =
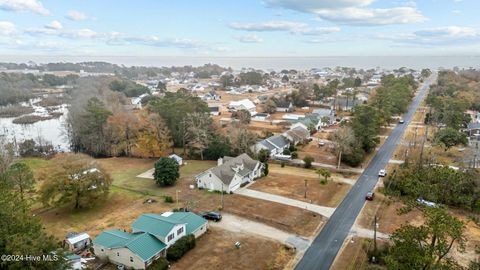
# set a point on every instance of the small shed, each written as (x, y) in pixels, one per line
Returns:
(177, 158)
(77, 241)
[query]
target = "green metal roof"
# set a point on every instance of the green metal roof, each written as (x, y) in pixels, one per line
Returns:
(112, 238)
(145, 246)
(155, 224)
(142, 244)
(194, 222)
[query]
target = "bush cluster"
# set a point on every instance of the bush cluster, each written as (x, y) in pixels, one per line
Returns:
(181, 247)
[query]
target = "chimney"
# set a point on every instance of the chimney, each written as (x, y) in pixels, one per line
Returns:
(220, 162)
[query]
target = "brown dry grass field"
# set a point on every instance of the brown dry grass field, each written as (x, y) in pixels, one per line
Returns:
(290, 182)
(321, 154)
(127, 194)
(215, 250)
(352, 256)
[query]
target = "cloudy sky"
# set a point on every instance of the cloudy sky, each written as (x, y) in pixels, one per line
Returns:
(239, 28)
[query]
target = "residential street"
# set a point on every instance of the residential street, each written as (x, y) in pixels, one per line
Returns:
(326, 245)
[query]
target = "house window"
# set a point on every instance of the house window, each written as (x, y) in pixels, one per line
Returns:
(170, 237)
(118, 254)
(131, 259)
(180, 231)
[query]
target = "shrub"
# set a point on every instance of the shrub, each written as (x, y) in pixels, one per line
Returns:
(282, 164)
(286, 152)
(168, 199)
(308, 161)
(159, 264)
(323, 182)
(181, 247)
(265, 169)
(294, 155)
(292, 148)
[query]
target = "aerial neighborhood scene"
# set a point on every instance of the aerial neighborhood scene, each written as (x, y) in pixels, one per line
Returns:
(257, 134)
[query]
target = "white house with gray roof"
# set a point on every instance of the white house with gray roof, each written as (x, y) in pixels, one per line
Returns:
(230, 173)
(275, 144)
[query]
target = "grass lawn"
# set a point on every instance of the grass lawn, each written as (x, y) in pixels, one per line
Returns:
(124, 172)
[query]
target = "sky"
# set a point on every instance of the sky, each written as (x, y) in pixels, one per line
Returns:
(249, 28)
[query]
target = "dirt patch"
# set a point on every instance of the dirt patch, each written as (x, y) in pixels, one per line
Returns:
(293, 186)
(321, 154)
(119, 211)
(352, 256)
(216, 250)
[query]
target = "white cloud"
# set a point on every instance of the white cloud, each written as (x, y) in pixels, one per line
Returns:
(34, 6)
(317, 31)
(354, 12)
(268, 26)
(116, 38)
(361, 16)
(7, 28)
(286, 26)
(75, 15)
(440, 36)
(312, 6)
(56, 25)
(249, 39)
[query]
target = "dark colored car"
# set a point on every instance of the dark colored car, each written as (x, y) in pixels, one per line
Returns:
(370, 196)
(212, 216)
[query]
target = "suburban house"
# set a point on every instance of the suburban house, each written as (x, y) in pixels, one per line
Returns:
(230, 173)
(297, 134)
(284, 106)
(327, 116)
(473, 130)
(151, 236)
(214, 109)
(261, 117)
(177, 158)
(244, 104)
(275, 144)
(211, 95)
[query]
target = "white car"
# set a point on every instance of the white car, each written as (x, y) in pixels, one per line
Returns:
(426, 203)
(382, 173)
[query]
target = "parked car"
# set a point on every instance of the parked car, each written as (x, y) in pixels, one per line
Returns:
(212, 216)
(426, 203)
(370, 196)
(382, 173)
(321, 143)
(401, 121)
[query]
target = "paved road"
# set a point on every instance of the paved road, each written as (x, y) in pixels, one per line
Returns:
(241, 225)
(322, 210)
(326, 245)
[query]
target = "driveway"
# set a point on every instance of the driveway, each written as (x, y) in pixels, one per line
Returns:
(241, 225)
(322, 210)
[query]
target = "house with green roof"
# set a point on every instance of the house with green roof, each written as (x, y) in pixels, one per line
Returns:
(150, 238)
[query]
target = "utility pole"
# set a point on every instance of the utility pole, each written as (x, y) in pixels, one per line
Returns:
(222, 196)
(375, 234)
(305, 195)
(415, 138)
(176, 195)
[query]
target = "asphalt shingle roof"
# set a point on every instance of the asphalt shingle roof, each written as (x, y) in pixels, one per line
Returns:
(225, 172)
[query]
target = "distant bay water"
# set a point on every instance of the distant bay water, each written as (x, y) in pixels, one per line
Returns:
(275, 63)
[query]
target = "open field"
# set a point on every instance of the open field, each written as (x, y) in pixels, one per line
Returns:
(293, 186)
(352, 256)
(215, 250)
(321, 154)
(128, 193)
